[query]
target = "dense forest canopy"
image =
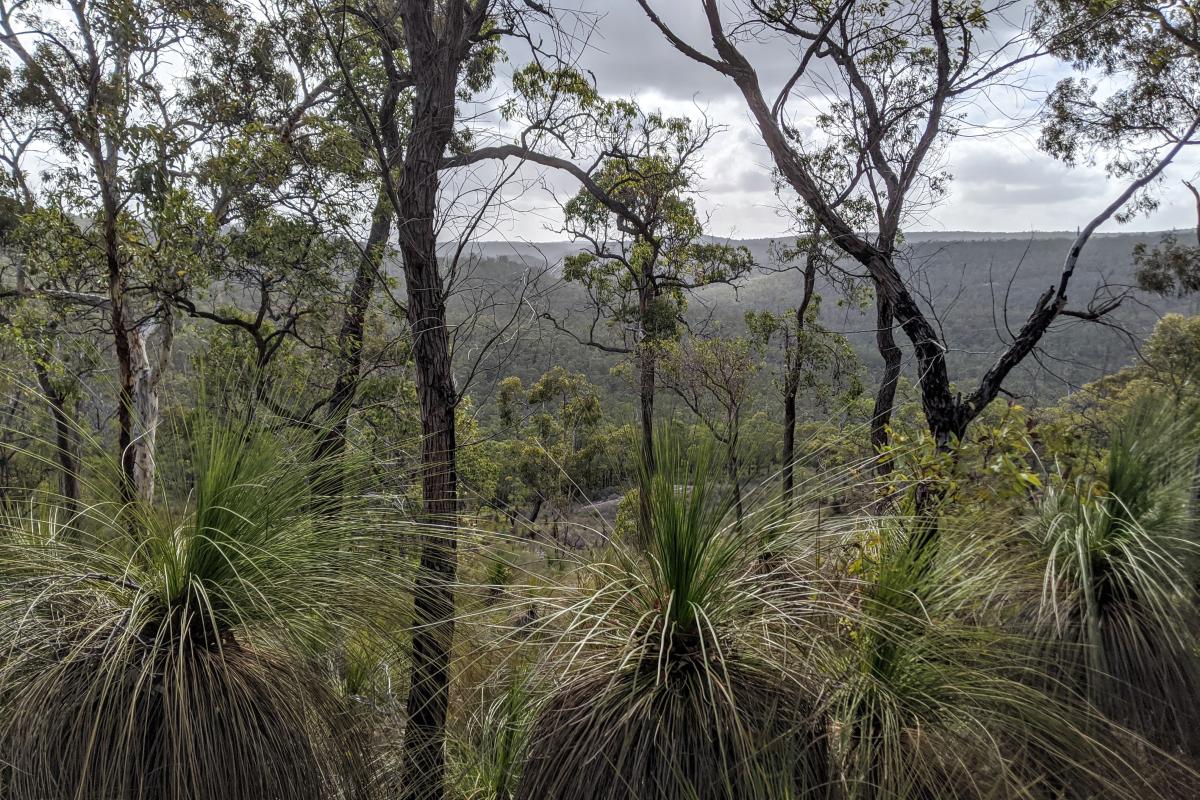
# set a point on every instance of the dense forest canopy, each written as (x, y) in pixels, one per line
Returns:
(317, 484)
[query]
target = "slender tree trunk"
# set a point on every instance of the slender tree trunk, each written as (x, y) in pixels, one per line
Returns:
(734, 465)
(646, 401)
(648, 356)
(432, 124)
(350, 343)
(120, 333)
(885, 397)
(146, 375)
(433, 623)
(789, 443)
(792, 381)
(64, 439)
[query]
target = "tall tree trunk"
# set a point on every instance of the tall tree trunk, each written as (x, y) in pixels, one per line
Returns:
(146, 375)
(120, 333)
(433, 623)
(431, 127)
(646, 381)
(349, 351)
(648, 357)
(885, 397)
(64, 439)
(792, 380)
(789, 442)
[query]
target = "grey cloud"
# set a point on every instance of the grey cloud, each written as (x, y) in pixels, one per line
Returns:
(1016, 173)
(1002, 183)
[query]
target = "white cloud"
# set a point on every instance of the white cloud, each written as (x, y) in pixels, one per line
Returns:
(1002, 182)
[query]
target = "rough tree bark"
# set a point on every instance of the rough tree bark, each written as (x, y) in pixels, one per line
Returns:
(349, 348)
(121, 346)
(791, 384)
(438, 42)
(946, 414)
(885, 396)
(64, 438)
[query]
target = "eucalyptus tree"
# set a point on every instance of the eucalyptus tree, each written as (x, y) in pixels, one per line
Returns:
(816, 361)
(809, 349)
(903, 75)
(555, 420)
(404, 67)
(637, 279)
(644, 250)
(288, 174)
(1153, 50)
(94, 77)
(713, 377)
(38, 325)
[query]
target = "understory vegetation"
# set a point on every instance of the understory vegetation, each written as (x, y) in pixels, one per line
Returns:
(312, 489)
(1031, 634)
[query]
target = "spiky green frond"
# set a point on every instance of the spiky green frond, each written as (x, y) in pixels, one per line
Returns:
(184, 651)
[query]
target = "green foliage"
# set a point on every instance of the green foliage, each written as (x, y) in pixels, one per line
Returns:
(818, 363)
(681, 677)
(1121, 556)
(186, 636)
(637, 276)
(559, 448)
(998, 466)
(936, 700)
(1170, 267)
(1154, 58)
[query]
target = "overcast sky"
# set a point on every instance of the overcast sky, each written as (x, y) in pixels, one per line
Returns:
(1002, 182)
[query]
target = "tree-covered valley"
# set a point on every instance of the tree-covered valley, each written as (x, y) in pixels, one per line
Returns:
(388, 408)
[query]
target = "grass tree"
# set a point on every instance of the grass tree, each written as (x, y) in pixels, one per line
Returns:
(681, 670)
(934, 698)
(183, 653)
(1121, 552)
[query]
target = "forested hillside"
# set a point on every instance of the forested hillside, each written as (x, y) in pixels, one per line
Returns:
(970, 277)
(321, 480)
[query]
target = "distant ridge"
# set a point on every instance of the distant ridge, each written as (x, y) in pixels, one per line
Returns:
(492, 248)
(972, 277)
